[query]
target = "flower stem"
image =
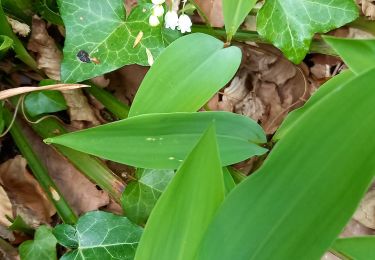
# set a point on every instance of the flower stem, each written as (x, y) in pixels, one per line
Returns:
(317, 46)
(40, 172)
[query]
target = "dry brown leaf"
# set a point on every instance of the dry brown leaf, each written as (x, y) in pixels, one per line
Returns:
(80, 112)
(8, 252)
(5, 208)
(48, 55)
(266, 88)
(81, 194)
(365, 213)
(213, 10)
(25, 193)
(368, 8)
(19, 28)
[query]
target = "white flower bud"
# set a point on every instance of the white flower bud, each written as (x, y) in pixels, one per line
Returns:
(184, 23)
(158, 2)
(158, 10)
(153, 20)
(171, 20)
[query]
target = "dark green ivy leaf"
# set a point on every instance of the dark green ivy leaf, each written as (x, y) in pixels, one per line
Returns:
(99, 235)
(141, 195)
(42, 102)
(104, 40)
(42, 247)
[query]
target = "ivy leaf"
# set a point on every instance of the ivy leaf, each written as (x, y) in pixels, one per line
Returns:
(42, 102)
(290, 25)
(99, 235)
(141, 195)
(42, 247)
(100, 31)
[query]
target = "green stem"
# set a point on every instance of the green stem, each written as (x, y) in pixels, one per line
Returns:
(116, 107)
(39, 171)
(90, 166)
(317, 46)
(20, 50)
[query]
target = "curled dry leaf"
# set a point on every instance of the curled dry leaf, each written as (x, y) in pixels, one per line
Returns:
(213, 10)
(25, 193)
(81, 194)
(19, 28)
(8, 252)
(266, 88)
(23, 90)
(368, 8)
(48, 55)
(80, 112)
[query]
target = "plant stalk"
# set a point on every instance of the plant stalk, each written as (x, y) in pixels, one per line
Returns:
(40, 172)
(116, 107)
(317, 46)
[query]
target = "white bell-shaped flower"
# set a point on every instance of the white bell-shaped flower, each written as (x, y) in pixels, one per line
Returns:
(184, 23)
(158, 10)
(171, 20)
(153, 20)
(158, 2)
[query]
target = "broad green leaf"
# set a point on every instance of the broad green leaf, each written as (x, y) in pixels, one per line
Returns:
(99, 235)
(22, 9)
(47, 12)
(323, 92)
(183, 212)
(100, 31)
(42, 102)
(229, 183)
(162, 141)
(235, 13)
(5, 44)
(297, 203)
(358, 54)
(290, 24)
(356, 248)
(186, 75)
(42, 247)
(141, 195)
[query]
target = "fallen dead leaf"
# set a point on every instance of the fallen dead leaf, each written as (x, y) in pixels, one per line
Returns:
(368, 8)
(8, 252)
(365, 213)
(27, 197)
(19, 28)
(266, 87)
(213, 10)
(5, 208)
(81, 194)
(48, 55)
(80, 112)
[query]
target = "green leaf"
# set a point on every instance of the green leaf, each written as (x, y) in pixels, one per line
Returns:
(99, 28)
(5, 44)
(162, 141)
(290, 25)
(323, 92)
(186, 75)
(99, 235)
(42, 102)
(297, 203)
(141, 195)
(66, 235)
(357, 248)
(42, 247)
(357, 54)
(235, 13)
(18, 224)
(48, 13)
(22, 9)
(228, 180)
(193, 195)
